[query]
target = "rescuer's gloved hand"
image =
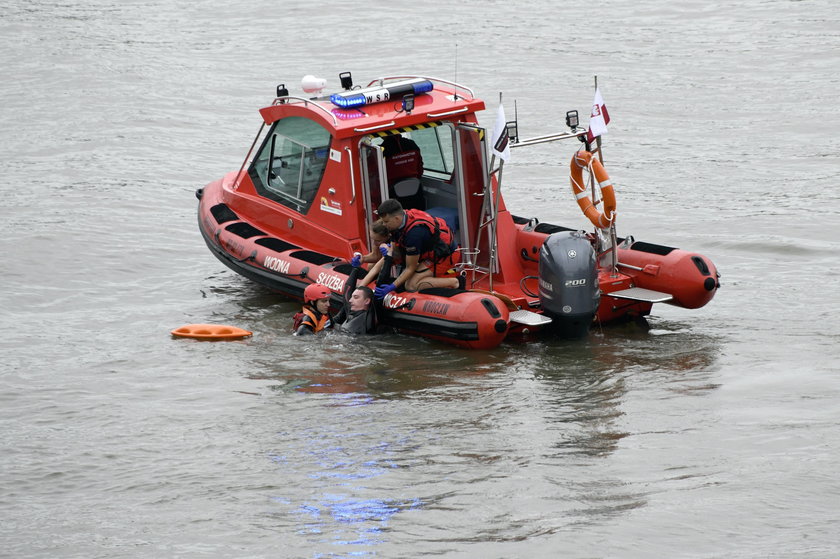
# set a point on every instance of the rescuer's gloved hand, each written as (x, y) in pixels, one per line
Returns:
(382, 290)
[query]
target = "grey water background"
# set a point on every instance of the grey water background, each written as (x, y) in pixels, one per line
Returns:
(714, 434)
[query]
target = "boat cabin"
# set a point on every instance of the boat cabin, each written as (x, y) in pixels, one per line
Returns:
(329, 161)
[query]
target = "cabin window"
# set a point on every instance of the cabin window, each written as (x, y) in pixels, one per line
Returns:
(435, 144)
(291, 161)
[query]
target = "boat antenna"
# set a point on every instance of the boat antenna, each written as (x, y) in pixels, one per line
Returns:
(516, 121)
(455, 96)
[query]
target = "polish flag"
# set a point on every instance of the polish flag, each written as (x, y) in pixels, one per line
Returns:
(599, 118)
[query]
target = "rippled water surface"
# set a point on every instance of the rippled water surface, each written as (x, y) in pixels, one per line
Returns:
(713, 434)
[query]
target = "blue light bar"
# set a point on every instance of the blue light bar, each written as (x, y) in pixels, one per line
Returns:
(371, 95)
(347, 101)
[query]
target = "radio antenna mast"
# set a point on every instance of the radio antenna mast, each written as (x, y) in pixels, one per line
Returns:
(455, 97)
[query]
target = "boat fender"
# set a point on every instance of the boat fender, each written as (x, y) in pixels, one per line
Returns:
(584, 160)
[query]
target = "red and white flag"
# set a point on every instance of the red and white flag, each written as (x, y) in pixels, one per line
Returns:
(599, 118)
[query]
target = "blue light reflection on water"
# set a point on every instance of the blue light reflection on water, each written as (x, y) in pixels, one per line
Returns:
(345, 510)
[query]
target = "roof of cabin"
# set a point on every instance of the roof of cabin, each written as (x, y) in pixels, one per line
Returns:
(442, 102)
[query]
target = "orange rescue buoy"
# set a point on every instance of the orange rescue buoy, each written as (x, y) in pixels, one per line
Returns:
(580, 161)
(210, 332)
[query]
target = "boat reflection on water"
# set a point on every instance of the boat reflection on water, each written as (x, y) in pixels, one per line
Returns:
(368, 417)
(386, 366)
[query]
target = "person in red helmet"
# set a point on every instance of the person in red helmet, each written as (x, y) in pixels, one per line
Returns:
(315, 314)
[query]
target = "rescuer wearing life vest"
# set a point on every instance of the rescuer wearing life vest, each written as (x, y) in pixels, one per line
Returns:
(381, 271)
(428, 247)
(357, 314)
(379, 234)
(315, 314)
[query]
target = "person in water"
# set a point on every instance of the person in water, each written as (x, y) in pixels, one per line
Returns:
(358, 314)
(315, 314)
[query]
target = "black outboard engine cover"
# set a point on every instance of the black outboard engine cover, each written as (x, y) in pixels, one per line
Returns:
(569, 291)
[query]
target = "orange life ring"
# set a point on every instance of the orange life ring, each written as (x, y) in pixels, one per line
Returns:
(210, 332)
(580, 161)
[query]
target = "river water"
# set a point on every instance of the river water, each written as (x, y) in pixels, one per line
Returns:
(713, 434)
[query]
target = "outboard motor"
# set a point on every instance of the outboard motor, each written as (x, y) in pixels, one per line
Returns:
(569, 291)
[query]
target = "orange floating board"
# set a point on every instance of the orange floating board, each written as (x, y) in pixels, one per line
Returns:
(211, 332)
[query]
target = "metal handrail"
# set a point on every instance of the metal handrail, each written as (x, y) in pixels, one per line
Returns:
(352, 175)
(369, 128)
(547, 138)
(281, 100)
(447, 113)
(447, 82)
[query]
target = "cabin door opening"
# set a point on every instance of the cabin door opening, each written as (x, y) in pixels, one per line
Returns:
(454, 181)
(473, 193)
(374, 181)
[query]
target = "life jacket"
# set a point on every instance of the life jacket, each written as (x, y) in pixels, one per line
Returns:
(401, 164)
(440, 244)
(317, 324)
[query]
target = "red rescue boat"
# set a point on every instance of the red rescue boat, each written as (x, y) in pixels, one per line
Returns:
(305, 197)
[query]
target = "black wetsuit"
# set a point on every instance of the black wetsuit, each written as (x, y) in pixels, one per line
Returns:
(355, 322)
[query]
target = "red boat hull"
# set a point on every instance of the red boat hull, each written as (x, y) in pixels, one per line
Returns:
(690, 278)
(462, 318)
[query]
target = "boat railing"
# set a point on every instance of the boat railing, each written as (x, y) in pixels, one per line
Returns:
(439, 80)
(305, 101)
(468, 266)
(548, 138)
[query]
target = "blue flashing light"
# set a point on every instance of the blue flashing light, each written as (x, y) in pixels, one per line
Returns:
(424, 86)
(347, 102)
(377, 94)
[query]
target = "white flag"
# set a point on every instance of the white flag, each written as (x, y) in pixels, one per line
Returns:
(501, 139)
(599, 118)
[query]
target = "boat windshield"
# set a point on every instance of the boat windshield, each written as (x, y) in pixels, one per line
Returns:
(291, 161)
